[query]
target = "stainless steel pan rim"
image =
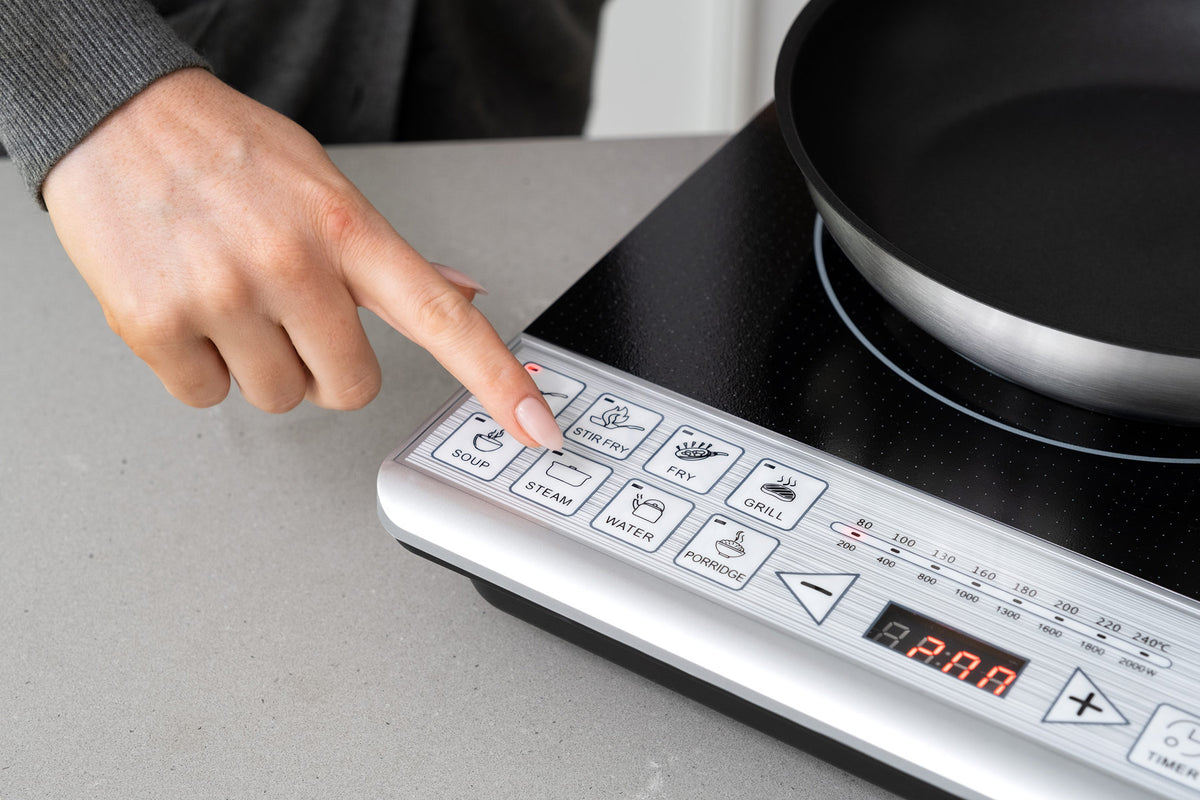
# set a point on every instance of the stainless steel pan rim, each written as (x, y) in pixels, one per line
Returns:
(1101, 376)
(1088, 372)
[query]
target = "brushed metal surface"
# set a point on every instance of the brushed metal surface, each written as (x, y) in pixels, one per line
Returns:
(1138, 643)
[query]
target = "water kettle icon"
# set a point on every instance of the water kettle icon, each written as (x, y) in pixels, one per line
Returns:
(650, 510)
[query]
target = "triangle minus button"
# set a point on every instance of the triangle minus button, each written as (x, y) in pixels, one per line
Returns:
(818, 592)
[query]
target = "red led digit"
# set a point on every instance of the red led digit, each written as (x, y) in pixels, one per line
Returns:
(925, 651)
(961, 654)
(1010, 676)
(949, 651)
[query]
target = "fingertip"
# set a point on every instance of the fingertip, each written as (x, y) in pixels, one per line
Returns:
(538, 422)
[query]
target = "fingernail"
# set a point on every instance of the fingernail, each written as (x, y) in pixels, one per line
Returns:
(539, 423)
(459, 278)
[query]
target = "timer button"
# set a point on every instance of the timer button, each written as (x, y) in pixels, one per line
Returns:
(1082, 703)
(1170, 746)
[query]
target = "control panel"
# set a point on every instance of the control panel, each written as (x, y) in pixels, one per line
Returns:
(976, 656)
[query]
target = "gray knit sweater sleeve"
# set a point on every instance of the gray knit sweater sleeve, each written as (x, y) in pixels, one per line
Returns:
(66, 64)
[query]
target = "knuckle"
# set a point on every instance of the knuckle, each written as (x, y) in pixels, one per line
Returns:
(339, 215)
(146, 328)
(198, 391)
(224, 294)
(355, 394)
(444, 315)
(280, 402)
(203, 399)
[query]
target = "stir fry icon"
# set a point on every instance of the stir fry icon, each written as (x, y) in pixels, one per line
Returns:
(615, 417)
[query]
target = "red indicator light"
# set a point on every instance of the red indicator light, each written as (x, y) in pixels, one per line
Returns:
(533, 368)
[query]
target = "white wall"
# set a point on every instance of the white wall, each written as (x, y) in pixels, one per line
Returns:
(685, 66)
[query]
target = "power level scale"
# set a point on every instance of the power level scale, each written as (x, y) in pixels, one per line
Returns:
(771, 483)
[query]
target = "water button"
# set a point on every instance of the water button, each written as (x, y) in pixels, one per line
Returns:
(642, 515)
(561, 481)
(479, 447)
(777, 494)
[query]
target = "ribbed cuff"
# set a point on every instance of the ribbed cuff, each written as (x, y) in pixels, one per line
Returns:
(65, 65)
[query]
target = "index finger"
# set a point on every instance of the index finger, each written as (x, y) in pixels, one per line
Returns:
(394, 281)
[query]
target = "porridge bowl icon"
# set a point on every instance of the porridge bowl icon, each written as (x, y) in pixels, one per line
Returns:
(732, 548)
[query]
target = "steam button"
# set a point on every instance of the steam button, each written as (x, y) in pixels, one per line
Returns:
(561, 481)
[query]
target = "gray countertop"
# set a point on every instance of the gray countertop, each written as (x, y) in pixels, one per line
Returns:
(204, 604)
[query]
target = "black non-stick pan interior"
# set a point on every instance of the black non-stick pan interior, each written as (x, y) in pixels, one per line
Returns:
(1042, 157)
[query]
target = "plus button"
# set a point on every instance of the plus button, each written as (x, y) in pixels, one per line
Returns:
(1085, 703)
(1081, 702)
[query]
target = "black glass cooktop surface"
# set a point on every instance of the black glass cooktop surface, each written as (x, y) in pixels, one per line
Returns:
(730, 293)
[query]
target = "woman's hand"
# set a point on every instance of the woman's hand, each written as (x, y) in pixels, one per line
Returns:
(221, 240)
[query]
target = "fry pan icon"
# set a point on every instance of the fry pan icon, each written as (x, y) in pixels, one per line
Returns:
(568, 474)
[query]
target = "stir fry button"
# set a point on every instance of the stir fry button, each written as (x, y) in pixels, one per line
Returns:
(613, 426)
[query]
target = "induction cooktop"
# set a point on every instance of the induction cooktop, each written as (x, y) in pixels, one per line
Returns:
(776, 485)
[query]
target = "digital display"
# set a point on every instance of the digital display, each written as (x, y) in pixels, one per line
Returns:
(951, 652)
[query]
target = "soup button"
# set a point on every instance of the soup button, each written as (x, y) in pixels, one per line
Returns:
(479, 447)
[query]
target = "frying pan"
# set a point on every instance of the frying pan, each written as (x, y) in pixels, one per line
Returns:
(1020, 178)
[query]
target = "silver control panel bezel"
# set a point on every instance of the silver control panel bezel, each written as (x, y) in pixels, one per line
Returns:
(1135, 643)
